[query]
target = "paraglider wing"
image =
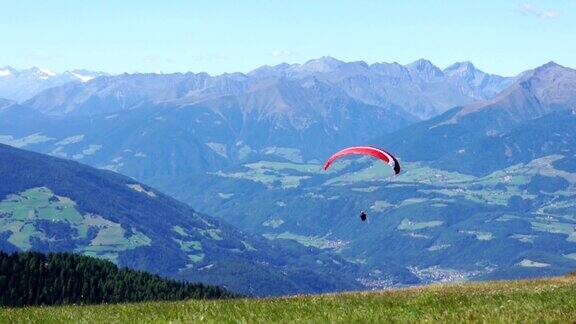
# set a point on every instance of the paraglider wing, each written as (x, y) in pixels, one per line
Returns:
(366, 150)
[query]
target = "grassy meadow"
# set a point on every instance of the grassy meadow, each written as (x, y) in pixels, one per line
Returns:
(542, 300)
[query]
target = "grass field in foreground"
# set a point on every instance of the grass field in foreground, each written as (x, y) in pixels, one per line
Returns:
(547, 300)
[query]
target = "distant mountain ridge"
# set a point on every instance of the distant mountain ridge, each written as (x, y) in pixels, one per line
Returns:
(543, 89)
(474, 82)
(300, 111)
(457, 138)
(5, 103)
(420, 88)
(20, 85)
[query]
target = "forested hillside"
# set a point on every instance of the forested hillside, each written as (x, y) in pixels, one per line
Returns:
(33, 278)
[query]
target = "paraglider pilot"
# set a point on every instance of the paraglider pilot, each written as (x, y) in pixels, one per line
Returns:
(365, 150)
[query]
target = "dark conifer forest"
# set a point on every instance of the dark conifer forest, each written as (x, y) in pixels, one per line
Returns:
(33, 278)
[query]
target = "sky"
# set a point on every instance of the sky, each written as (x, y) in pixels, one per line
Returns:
(499, 36)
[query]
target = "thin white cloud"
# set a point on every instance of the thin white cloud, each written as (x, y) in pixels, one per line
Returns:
(529, 9)
(280, 53)
(550, 14)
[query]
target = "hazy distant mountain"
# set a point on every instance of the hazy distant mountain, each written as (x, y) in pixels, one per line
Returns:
(300, 112)
(149, 125)
(20, 85)
(424, 71)
(458, 138)
(49, 204)
(419, 88)
(128, 91)
(548, 88)
(5, 103)
(475, 83)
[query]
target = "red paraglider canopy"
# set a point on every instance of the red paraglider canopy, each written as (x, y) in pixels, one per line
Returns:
(366, 150)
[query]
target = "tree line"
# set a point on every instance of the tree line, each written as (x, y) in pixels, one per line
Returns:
(33, 278)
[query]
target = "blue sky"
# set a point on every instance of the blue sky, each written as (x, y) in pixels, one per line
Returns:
(504, 37)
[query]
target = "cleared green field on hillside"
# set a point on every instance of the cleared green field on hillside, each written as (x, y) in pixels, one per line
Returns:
(547, 300)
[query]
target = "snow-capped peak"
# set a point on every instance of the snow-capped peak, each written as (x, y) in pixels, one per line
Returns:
(82, 78)
(46, 72)
(461, 68)
(425, 69)
(40, 73)
(323, 64)
(5, 73)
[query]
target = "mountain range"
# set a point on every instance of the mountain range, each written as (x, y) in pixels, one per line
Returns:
(223, 120)
(420, 88)
(490, 167)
